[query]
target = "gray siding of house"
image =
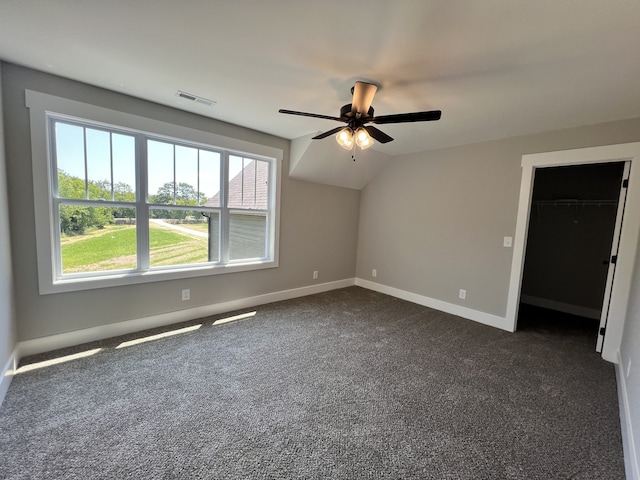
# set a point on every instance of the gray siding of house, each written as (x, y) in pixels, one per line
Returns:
(247, 236)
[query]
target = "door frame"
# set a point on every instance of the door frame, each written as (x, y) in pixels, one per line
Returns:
(628, 236)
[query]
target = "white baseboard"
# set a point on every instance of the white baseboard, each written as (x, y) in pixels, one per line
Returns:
(628, 445)
(69, 339)
(561, 306)
(63, 340)
(464, 312)
(6, 375)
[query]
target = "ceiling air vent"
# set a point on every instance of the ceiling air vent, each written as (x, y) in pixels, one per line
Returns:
(195, 98)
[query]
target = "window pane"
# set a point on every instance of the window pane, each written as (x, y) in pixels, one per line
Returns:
(248, 187)
(186, 175)
(70, 187)
(161, 180)
(247, 235)
(210, 178)
(98, 164)
(181, 237)
(213, 225)
(124, 167)
(249, 184)
(262, 185)
(235, 183)
(94, 239)
(70, 160)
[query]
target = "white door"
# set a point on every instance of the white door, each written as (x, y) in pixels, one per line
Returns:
(613, 258)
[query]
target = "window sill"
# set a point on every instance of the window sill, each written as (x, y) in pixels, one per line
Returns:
(122, 279)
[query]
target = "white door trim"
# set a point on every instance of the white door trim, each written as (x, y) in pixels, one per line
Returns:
(629, 234)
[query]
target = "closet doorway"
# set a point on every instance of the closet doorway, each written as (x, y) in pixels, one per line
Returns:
(573, 230)
(627, 243)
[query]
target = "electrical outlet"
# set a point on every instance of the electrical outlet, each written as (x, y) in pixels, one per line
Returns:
(508, 242)
(315, 274)
(186, 294)
(462, 294)
(374, 273)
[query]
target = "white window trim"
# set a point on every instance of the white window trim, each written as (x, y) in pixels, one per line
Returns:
(40, 104)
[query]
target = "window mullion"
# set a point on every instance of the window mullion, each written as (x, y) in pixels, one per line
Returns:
(57, 253)
(55, 203)
(86, 164)
(111, 164)
(242, 182)
(53, 154)
(142, 209)
(175, 184)
(270, 233)
(255, 184)
(224, 209)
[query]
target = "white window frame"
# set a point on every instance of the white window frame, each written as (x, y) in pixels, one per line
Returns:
(42, 106)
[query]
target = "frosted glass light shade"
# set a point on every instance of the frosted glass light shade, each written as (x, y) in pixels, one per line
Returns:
(363, 139)
(345, 138)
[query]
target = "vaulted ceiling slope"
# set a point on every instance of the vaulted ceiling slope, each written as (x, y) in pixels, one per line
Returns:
(495, 68)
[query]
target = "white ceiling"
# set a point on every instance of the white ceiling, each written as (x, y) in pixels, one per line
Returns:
(496, 68)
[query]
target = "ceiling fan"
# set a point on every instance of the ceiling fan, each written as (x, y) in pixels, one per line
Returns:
(358, 114)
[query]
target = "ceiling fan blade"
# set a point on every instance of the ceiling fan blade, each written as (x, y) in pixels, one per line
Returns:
(305, 114)
(378, 135)
(408, 117)
(328, 133)
(362, 97)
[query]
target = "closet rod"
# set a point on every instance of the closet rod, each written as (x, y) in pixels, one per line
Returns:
(575, 203)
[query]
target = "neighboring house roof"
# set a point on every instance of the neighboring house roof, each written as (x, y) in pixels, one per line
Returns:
(248, 189)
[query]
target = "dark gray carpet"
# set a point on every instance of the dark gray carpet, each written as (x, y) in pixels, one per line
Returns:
(348, 384)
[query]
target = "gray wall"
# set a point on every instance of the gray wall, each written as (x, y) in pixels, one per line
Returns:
(630, 354)
(318, 225)
(432, 223)
(7, 318)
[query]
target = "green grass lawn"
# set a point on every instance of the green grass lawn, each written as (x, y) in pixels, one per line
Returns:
(114, 248)
(198, 227)
(174, 248)
(110, 248)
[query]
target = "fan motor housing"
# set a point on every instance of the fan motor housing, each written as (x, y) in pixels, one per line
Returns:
(345, 112)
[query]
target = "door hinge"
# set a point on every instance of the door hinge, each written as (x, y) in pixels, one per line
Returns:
(614, 259)
(625, 183)
(602, 330)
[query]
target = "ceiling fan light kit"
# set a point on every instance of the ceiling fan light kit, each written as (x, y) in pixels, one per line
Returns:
(363, 139)
(360, 112)
(345, 138)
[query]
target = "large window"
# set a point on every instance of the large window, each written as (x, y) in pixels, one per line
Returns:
(128, 205)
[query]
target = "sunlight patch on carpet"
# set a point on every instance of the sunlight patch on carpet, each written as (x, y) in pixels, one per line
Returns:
(151, 338)
(242, 316)
(56, 361)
